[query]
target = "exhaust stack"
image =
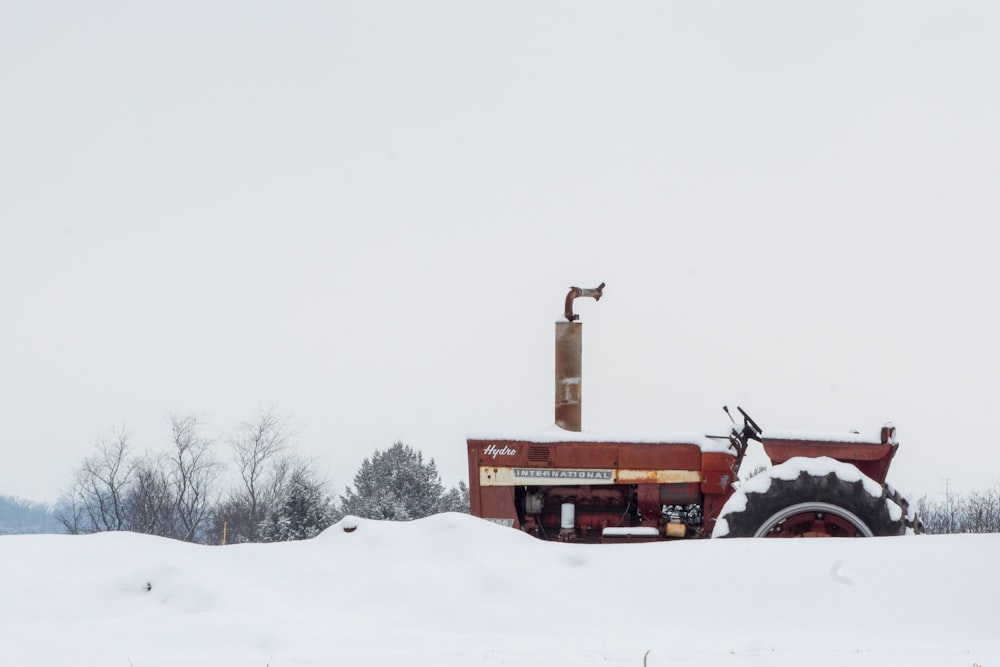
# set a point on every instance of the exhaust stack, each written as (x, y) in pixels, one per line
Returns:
(569, 361)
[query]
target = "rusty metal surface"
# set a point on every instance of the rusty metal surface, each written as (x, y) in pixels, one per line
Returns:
(629, 476)
(611, 454)
(715, 481)
(497, 503)
(577, 292)
(612, 484)
(569, 381)
(569, 362)
(674, 494)
(815, 524)
(718, 472)
(718, 461)
(675, 456)
(494, 475)
(872, 459)
(648, 496)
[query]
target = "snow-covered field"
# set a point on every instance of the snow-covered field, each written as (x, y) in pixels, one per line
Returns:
(454, 590)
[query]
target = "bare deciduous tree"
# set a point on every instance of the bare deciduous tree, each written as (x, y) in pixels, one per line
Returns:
(150, 500)
(97, 500)
(262, 450)
(192, 473)
(260, 447)
(979, 512)
(277, 495)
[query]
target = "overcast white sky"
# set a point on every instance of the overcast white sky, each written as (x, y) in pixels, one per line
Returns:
(369, 213)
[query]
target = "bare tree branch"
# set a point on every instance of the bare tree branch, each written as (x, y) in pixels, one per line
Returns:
(192, 474)
(262, 449)
(96, 501)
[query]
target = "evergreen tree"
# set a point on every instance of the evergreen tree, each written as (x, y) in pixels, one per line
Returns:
(456, 499)
(395, 485)
(303, 510)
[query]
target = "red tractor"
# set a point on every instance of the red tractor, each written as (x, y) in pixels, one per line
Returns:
(563, 484)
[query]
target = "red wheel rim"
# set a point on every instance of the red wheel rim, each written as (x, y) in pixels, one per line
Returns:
(814, 520)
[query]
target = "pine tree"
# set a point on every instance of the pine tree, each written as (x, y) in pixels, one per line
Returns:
(302, 511)
(456, 499)
(395, 485)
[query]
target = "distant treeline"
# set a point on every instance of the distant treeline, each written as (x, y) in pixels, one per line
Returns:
(978, 512)
(250, 485)
(272, 494)
(23, 517)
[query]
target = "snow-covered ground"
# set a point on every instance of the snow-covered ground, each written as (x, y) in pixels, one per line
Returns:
(454, 590)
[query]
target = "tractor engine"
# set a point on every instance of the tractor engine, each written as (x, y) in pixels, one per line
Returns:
(567, 511)
(570, 486)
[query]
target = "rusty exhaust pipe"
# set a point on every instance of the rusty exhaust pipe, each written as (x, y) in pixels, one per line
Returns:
(569, 362)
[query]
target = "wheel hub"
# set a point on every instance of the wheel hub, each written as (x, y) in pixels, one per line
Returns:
(814, 520)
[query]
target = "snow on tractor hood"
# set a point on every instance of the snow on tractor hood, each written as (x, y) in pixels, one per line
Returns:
(553, 434)
(709, 440)
(818, 436)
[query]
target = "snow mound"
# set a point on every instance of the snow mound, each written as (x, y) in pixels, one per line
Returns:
(452, 590)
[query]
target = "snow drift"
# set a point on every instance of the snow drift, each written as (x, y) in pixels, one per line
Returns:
(455, 590)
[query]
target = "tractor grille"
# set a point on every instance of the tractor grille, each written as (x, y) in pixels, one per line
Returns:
(538, 454)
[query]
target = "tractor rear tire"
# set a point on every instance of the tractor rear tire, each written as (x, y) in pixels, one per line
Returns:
(812, 506)
(914, 524)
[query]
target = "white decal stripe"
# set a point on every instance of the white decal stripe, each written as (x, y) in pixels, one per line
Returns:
(510, 476)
